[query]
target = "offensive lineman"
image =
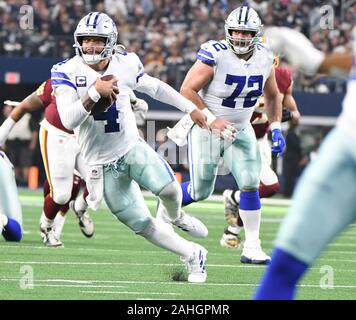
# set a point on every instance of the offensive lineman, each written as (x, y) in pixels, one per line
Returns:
(225, 82)
(269, 184)
(119, 160)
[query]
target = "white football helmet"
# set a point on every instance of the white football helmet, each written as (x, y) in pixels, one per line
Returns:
(243, 19)
(95, 24)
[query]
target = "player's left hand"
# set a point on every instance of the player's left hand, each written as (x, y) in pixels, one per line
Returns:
(140, 105)
(140, 108)
(278, 142)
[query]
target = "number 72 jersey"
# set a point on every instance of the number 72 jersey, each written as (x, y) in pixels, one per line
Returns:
(237, 84)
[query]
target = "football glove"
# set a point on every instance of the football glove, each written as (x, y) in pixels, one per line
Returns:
(140, 108)
(278, 142)
(229, 133)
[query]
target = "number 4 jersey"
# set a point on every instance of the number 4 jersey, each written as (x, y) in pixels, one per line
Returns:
(237, 84)
(107, 136)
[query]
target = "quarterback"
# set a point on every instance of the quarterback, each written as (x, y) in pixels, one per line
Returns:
(225, 82)
(92, 92)
(324, 201)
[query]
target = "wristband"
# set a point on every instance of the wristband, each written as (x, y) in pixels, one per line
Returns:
(94, 94)
(210, 118)
(275, 125)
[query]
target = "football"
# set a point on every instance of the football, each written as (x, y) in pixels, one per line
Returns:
(104, 102)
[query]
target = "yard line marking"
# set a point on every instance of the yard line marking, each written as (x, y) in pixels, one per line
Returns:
(119, 263)
(77, 286)
(153, 264)
(134, 252)
(128, 292)
(179, 283)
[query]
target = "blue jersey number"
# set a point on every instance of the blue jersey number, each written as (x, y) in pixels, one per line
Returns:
(251, 97)
(218, 45)
(110, 116)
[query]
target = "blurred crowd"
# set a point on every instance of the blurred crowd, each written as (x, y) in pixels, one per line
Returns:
(167, 33)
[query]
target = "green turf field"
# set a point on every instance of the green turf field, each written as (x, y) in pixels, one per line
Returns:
(116, 264)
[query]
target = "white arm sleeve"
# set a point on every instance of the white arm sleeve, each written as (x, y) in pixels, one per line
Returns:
(70, 107)
(163, 92)
(297, 48)
(5, 129)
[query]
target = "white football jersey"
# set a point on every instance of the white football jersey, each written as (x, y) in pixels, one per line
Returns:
(237, 84)
(347, 119)
(104, 137)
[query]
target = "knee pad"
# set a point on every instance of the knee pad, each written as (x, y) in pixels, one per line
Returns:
(147, 231)
(61, 198)
(140, 224)
(203, 194)
(268, 176)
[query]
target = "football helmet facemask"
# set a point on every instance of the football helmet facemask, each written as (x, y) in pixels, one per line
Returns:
(95, 24)
(243, 19)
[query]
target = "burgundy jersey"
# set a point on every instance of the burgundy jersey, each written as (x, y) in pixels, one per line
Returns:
(259, 119)
(284, 79)
(45, 93)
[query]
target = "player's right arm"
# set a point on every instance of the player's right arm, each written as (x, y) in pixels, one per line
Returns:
(199, 75)
(300, 52)
(72, 109)
(28, 105)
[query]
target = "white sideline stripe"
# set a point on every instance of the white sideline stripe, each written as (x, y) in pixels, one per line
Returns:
(159, 283)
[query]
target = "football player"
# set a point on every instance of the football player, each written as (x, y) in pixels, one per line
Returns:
(226, 82)
(324, 201)
(56, 141)
(10, 208)
(60, 144)
(92, 92)
(269, 184)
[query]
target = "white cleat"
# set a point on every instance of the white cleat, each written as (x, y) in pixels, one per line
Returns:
(252, 253)
(193, 226)
(86, 224)
(196, 265)
(49, 237)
